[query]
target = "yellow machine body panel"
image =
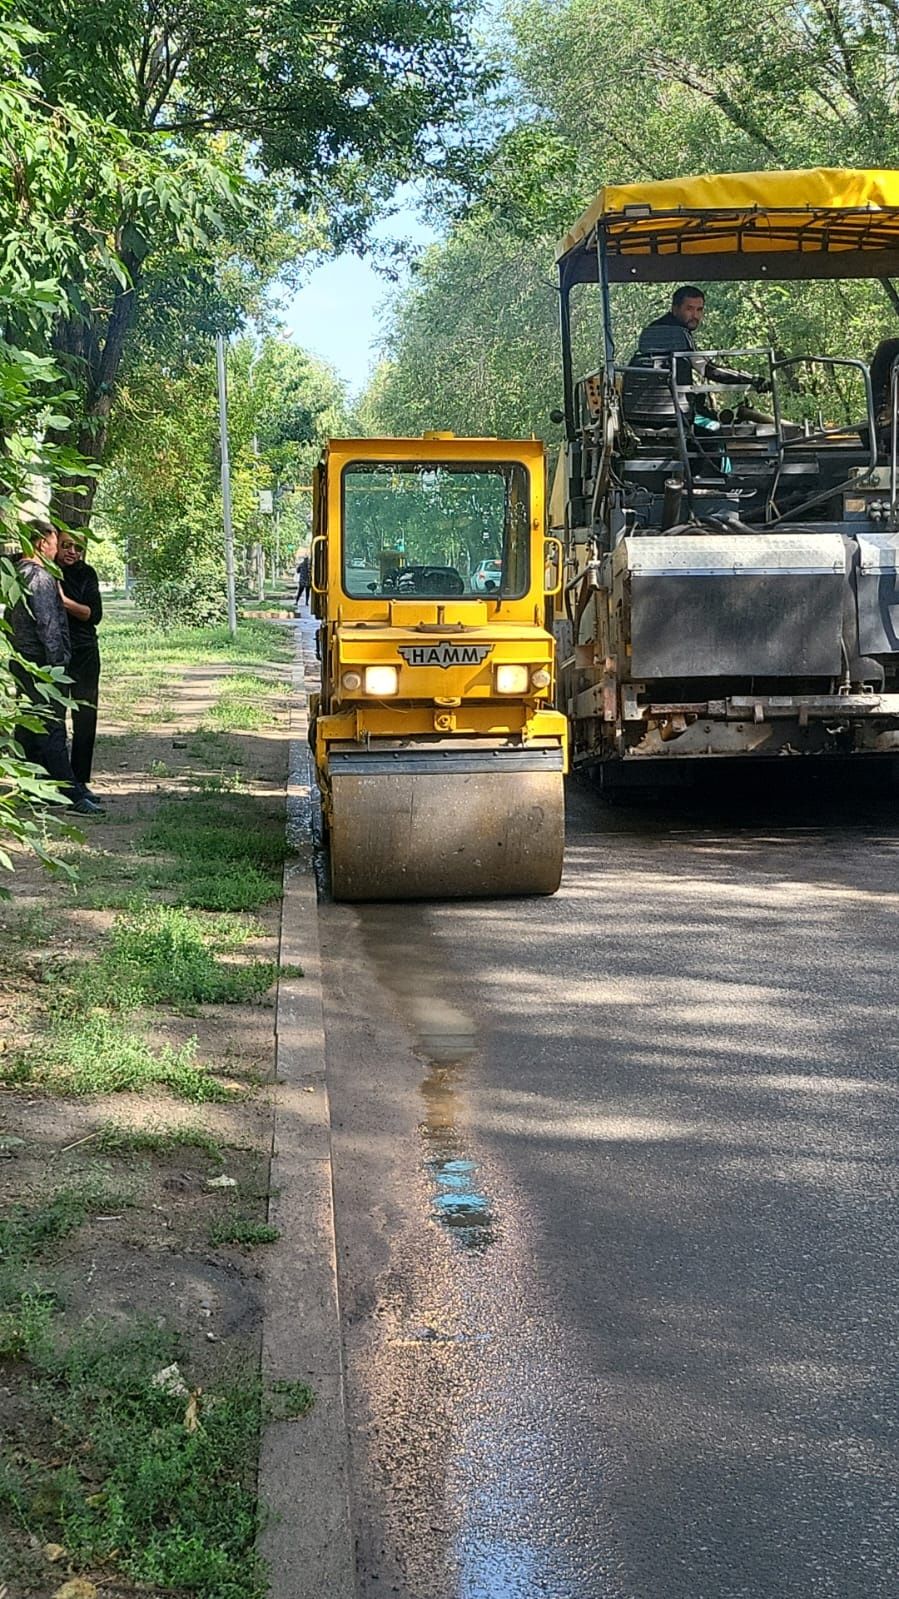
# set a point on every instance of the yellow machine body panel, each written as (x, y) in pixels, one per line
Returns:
(439, 756)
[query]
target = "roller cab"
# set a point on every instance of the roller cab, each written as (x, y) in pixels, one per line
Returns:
(439, 757)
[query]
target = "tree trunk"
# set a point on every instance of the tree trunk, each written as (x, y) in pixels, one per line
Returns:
(94, 358)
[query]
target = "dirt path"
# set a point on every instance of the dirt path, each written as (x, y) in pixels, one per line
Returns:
(124, 1192)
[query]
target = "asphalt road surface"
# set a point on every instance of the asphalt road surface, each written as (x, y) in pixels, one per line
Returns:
(616, 1183)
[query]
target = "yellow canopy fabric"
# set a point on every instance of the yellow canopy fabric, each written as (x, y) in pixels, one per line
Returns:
(821, 209)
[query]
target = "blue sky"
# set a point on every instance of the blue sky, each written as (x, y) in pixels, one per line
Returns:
(337, 312)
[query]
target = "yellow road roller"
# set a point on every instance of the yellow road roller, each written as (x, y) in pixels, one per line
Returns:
(439, 757)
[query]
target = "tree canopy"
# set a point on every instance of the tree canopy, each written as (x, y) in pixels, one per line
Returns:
(251, 133)
(603, 91)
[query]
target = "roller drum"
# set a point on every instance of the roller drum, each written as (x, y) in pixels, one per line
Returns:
(446, 828)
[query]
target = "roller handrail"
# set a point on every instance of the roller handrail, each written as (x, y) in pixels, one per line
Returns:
(783, 442)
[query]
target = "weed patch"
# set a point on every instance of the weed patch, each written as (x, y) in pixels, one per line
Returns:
(228, 851)
(26, 1231)
(31, 926)
(287, 1401)
(241, 1230)
(214, 749)
(244, 705)
(99, 1054)
(232, 888)
(130, 895)
(164, 1493)
(220, 782)
(25, 1328)
(116, 1140)
(230, 829)
(162, 956)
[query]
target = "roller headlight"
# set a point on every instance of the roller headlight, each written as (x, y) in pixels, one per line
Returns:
(381, 680)
(511, 679)
(352, 682)
(541, 678)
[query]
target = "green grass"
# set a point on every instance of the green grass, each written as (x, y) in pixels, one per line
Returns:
(131, 643)
(141, 665)
(156, 1498)
(117, 1140)
(227, 851)
(99, 1054)
(26, 1231)
(214, 749)
(241, 1230)
(163, 955)
(244, 705)
(221, 782)
(130, 895)
(24, 1327)
(233, 888)
(227, 829)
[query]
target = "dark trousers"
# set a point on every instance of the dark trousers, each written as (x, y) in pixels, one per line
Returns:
(84, 670)
(46, 749)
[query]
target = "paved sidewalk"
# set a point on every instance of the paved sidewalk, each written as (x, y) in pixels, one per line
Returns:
(303, 1470)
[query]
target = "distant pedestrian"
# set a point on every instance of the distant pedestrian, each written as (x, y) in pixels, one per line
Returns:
(40, 634)
(304, 579)
(84, 608)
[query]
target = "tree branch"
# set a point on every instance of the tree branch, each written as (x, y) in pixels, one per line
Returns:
(678, 72)
(891, 292)
(832, 13)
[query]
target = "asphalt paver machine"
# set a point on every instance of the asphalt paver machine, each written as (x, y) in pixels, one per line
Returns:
(731, 580)
(439, 756)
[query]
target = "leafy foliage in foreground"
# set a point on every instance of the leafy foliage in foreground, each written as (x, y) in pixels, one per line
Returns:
(60, 170)
(268, 130)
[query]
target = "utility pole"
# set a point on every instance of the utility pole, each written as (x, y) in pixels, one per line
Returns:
(259, 547)
(226, 481)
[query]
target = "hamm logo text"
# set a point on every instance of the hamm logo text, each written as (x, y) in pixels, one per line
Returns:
(444, 654)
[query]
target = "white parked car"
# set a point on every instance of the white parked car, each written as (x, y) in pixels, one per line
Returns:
(487, 577)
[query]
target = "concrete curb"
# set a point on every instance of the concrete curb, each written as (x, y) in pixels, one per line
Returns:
(303, 1465)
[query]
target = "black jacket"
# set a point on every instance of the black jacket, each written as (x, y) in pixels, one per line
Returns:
(80, 583)
(40, 628)
(666, 335)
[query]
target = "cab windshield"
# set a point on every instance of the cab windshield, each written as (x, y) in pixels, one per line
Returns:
(439, 530)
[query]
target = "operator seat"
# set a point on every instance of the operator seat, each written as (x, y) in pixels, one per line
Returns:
(647, 401)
